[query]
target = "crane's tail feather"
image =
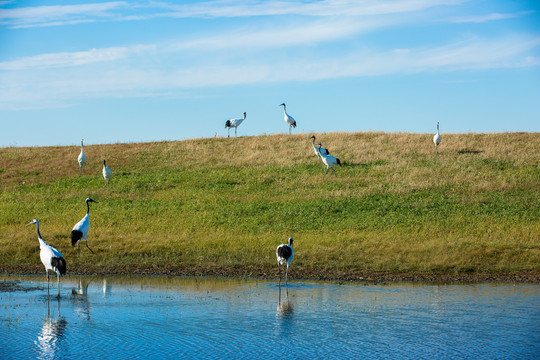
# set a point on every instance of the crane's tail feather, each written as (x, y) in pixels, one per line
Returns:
(338, 162)
(76, 235)
(60, 264)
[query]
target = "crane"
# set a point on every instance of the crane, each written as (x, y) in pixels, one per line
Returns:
(284, 255)
(234, 123)
(107, 173)
(288, 119)
(316, 149)
(329, 160)
(82, 158)
(50, 257)
(80, 230)
(437, 139)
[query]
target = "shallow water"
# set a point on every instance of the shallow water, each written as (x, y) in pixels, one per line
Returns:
(183, 317)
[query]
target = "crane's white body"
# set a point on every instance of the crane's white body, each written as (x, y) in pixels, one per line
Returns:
(51, 258)
(82, 158)
(437, 139)
(234, 123)
(329, 160)
(284, 255)
(80, 230)
(316, 149)
(107, 173)
(288, 119)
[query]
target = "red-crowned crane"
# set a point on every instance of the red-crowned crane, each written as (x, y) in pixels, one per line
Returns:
(284, 255)
(82, 158)
(329, 160)
(437, 139)
(80, 230)
(316, 149)
(51, 258)
(234, 123)
(107, 173)
(288, 119)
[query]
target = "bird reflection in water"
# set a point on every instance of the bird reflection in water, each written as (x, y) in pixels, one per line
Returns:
(50, 338)
(285, 308)
(81, 304)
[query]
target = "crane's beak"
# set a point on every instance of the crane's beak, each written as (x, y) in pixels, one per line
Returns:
(30, 223)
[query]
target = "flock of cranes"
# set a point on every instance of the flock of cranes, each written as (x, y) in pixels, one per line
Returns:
(53, 260)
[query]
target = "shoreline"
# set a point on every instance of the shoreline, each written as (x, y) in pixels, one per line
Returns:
(268, 274)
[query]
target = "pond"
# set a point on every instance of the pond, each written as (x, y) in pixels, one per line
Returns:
(186, 317)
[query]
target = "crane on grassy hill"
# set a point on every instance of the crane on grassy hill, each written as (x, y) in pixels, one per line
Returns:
(80, 230)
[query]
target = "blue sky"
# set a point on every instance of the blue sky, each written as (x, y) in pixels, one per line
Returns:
(130, 71)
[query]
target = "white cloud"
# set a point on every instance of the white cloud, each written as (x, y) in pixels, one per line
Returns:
(58, 14)
(487, 17)
(68, 59)
(125, 75)
(124, 11)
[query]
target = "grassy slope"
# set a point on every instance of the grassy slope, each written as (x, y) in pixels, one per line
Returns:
(221, 206)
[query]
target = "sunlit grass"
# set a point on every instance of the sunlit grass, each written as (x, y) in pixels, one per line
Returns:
(223, 205)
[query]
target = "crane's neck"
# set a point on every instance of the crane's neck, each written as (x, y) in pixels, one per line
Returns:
(87, 208)
(313, 141)
(38, 234)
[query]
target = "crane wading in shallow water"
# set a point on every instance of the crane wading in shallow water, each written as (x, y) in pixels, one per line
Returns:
(234, 123)
(316, 149)
(50, 257)
(329, 160)
(80, 230)
(288, 119)
(82, 158)
(107, 173)
(284, 255)
(437, 139)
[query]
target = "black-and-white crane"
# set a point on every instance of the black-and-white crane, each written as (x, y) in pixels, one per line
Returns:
(107, 173)
(316, 149)
(234, 123)
(284, 255)
(329, 160)
(82, 158)
(80, 230)
(50, 257)
(288, 119)
(437, 139)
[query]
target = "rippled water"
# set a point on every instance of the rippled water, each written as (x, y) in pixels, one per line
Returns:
(161, 317)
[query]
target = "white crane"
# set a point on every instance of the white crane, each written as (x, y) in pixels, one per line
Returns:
(437, 139)
(284, 255)
(234, 123)
(80, 230)
(288, 119)
(51, 258)
(82, 158)
(316, 149)
(329, 160)
(107, 173)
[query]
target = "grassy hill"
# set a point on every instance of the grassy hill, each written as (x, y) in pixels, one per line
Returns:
(221, 206)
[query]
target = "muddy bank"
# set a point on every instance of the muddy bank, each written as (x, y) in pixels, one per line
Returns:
(271, 273)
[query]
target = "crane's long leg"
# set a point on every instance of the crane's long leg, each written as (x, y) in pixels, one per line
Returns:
(88, 247)
(235, 131)
(58, 283)
(279, 274)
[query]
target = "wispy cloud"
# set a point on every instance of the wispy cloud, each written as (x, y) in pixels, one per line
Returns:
(487, 17)
(128, 73)
(57, 15)
(69, 59)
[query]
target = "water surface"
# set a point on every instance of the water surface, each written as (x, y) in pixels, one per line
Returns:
(183, 317)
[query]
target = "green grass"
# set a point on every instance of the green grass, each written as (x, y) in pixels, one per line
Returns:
(221, 206)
